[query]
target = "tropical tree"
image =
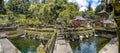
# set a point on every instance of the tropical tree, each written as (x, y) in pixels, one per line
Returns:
(18, 6)
(89, 8)
(50, 12)
(70, 10)
(33, 12)
(2, 8)
(100, 7)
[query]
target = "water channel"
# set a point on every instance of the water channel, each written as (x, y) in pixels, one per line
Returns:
(25, 45)
(90, 45)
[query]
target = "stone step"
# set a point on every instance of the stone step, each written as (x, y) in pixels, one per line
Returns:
(61, 34)
(61, 41)
(60, 38)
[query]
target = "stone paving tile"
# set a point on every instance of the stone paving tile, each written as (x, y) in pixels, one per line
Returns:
(61, 46)
(7, 47)
(110, 48)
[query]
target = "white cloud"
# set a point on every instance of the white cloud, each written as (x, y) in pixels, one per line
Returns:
(83, 8)
(95, 4)
(5, 1)
(71, 0)
(84, 3)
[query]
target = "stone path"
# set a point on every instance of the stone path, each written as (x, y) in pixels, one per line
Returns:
(111, 47)
(61, 46)
(6, 46)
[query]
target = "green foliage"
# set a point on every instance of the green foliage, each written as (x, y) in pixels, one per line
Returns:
(4, 19)
(1, 1)
(89, 8)
(117, 19)
(18, 6)
(3, 16)
(2, 9)
(11, 16)
(89, 13)
(34, 2)
(32, 12)
(21, 19)
(32, 21)
(100, 7)
(53, 11)
(67, 12)
(4, 22)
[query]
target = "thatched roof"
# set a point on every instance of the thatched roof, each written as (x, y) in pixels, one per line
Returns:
(103, 11)
(79, 17)
(107, 21)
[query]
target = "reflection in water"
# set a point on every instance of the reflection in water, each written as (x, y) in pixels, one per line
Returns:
(87, 45)
(87, 48)
(25, 45)
(29, 50)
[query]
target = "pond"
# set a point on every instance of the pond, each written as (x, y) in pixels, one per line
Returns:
(25, 45)
(90, 45)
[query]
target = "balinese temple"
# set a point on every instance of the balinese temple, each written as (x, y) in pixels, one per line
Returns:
(107, 23)
(79, 18)
(102, 13)
(79, 21)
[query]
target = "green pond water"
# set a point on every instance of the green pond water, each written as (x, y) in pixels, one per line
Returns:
(25, 45)
(90, 45)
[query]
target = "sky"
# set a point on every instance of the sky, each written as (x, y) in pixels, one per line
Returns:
(5, 1)
(83, 3)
